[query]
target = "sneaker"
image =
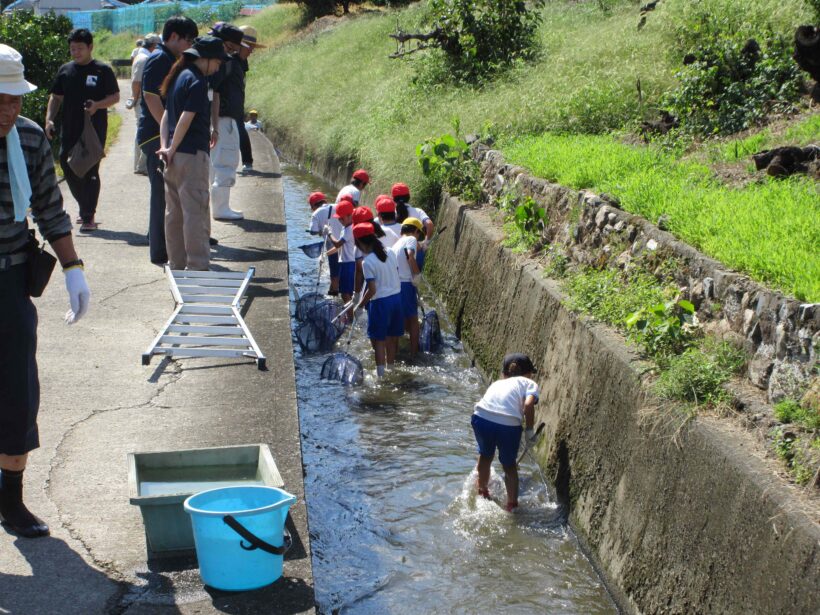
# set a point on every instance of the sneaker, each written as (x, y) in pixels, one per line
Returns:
(228, 214)
(89, 227)
(247, 167)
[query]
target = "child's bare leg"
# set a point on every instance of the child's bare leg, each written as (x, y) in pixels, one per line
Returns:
(391, 349)
(483, 467)
(334, 284)
(412, 326)
(380, 352)
(511, 482)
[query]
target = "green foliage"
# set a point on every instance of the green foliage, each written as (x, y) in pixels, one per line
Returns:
(729, 87)
(524, 220)
(446, 161)
(42, 41)
(698, 374)
(663, 329)
(815, 7)
(482, 37)
(611, 296)
(800, 457)
(723, 222)
(790, 411)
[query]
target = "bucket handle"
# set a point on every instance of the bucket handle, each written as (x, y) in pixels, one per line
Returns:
(254, 541)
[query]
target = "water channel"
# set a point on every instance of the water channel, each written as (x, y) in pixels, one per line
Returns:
(394, 523)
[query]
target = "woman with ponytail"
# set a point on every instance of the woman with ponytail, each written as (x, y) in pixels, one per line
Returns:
(185, 143)
(382, 296)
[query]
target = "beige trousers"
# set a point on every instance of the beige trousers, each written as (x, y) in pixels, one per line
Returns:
(187, 219)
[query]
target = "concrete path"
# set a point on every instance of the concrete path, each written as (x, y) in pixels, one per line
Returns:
(99, 403)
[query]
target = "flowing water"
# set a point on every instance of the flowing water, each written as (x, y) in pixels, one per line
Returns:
(389, 479)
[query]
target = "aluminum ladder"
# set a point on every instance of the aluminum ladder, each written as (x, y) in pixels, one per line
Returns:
(206, 321)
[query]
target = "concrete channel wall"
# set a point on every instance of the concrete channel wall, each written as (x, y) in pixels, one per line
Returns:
(680, 516)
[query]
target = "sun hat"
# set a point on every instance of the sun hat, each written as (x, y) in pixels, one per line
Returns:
(363, 229)
(228, 33)
(315, 197)
(521, 360)
(362, 176)
(343, 208)
(207, 48)
(414, 222)
(400, 189)
(362, 214)
(385, 205)
(151, 39)
(249, 36)
(12, 80)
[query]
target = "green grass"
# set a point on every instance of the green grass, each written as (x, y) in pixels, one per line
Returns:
(108, 46)
(113, 132)
(790, 411)
(768, 229)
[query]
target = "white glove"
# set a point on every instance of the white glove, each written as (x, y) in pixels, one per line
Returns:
(529, 435)
(416, 279)
(423, 245)
(78, 294)
(325, 231)
(129, 104)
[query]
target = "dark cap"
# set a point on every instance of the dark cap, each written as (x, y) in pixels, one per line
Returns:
(227, 32)
(523, 364)
(207, 48)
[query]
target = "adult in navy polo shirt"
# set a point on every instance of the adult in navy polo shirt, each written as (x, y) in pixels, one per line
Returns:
(82, 86)
(177, 35)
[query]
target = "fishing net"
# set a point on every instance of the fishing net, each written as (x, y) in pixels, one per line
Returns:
(321, 327)
(430, 339)
(306, 303)
(312, 250)
(343, 367)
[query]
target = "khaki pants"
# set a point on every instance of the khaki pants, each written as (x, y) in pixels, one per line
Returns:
(187, 219)
(139, 156)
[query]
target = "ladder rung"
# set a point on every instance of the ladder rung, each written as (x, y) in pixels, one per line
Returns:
(224, 275)
(205, 329)
(188, 308)
(209, 282)
(205, 319)
(204, 352)
(204, 341)
(207, 299)
(207, 290)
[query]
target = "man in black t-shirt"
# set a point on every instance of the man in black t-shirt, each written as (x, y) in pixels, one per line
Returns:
(82, 86)
(178, 34)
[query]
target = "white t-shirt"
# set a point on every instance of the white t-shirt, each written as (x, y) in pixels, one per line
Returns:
(504, 400)
(385, 274)
(405, 242)
(348, 252)
(138, 64)
(352, 191)
(318, 220)
(393, 226)
(417, 212)
(390, 237)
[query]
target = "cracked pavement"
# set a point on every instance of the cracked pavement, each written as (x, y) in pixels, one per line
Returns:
(99, 403)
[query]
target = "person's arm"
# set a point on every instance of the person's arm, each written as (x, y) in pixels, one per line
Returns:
(109, 101)
(359, 276)
(429, 229)
(154, 103)
(369, 291)
(215, 119)
(529, 411)
(180, 131)
(54, 103)
(163, 130)
(136, 90)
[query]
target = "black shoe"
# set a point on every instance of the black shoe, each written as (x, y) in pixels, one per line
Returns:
(213, 241)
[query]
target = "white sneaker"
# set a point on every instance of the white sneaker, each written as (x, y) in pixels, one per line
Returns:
(228, 214)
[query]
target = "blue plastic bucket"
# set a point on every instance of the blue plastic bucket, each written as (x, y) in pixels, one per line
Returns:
(240, 536)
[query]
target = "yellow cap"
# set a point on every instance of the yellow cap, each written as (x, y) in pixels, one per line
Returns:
(414, 222)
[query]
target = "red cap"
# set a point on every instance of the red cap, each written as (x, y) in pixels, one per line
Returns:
(385, 205)
(362, 176)
(363, 229)
(400, 190)
(316, 197)
(343, 208)
(346, 197)
(362, 214)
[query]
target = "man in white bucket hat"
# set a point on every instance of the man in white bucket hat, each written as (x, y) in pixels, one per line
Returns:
(27, 167)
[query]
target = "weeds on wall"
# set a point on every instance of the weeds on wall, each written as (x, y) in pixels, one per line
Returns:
(525, 222)
(446, 162)
(800, 453)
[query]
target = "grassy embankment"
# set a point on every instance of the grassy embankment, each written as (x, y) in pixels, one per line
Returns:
(338, 92)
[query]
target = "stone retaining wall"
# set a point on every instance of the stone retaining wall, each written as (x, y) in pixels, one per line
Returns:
(781, 333)
(680, 516)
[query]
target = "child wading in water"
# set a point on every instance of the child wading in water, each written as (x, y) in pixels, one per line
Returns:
(497, 423)
(405, 250)
(382, 296)
(342, 239)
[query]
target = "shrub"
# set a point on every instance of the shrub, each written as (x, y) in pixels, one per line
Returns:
(481, 37)
(42, 41)
(698, 374)
(663, 329)
(790, 411)
(524, 220)
(447, 163)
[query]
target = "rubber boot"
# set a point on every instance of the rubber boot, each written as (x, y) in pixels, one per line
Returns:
(13, 512)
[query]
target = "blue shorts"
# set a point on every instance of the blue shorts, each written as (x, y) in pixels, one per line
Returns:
(347, 278)
(489, 436)
(384, 318)
(409, 303)
(333, 263)
(420, 255)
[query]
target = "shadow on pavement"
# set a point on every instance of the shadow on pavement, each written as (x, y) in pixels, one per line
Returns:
(245, 255)
(129, 237)
(287, 595)
(258, 226)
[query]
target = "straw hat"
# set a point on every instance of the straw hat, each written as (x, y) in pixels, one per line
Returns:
(249, 36)
(12, 79)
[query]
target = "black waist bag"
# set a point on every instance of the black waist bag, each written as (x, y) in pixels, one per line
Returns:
(40, 266)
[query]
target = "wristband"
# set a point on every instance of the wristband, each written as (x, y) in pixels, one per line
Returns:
(78, 263)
